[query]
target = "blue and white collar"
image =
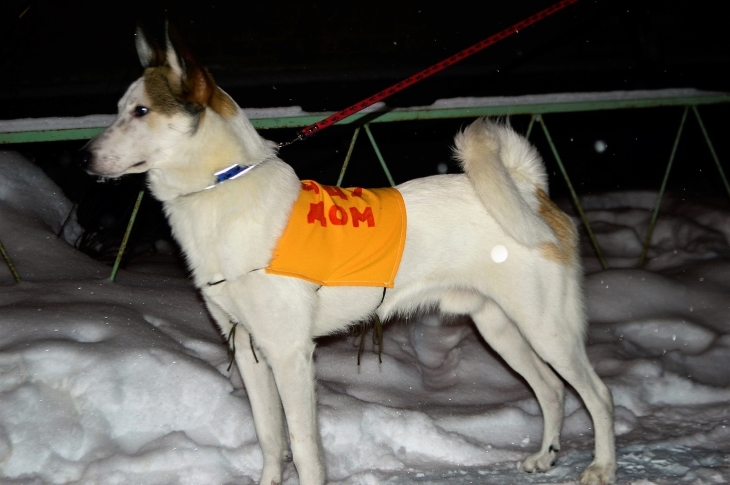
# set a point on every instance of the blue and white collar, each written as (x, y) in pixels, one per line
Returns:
(230, 173)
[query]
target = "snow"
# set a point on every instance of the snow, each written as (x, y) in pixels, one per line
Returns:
(559, 98)
(126, 382)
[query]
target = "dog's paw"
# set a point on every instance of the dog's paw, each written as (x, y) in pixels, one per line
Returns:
(540, 461)
(270, 477)
(597, 474)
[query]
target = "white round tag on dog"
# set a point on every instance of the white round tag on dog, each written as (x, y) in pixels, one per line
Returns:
(499, 254)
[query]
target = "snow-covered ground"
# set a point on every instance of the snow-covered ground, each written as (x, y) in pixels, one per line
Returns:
(126, 382)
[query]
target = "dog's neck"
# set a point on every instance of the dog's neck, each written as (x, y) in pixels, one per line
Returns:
(229, 173)
(202, 159)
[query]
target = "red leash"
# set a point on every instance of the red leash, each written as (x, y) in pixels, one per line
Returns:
(339, 116)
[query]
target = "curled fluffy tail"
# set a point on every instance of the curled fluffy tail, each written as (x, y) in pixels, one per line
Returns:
(506, 172)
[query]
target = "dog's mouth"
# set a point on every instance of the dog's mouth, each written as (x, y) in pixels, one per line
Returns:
(106, 174)
(137, 167)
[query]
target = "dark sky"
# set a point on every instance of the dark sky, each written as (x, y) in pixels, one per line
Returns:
(74, 57)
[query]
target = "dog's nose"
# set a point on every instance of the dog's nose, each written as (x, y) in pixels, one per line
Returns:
(83, 158)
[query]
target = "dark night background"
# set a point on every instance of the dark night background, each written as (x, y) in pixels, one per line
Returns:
(74, 58)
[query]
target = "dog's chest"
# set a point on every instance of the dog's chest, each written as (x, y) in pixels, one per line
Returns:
(218, 242)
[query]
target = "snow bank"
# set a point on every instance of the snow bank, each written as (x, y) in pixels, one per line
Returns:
(126, 382)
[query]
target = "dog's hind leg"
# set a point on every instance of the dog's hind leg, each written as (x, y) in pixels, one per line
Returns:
(569, 359)
(504, 337)
(266, 407)
(552, 333)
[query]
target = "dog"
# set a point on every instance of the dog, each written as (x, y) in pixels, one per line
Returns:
(488, 243)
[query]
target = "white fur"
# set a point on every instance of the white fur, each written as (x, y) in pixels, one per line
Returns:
(528, 308)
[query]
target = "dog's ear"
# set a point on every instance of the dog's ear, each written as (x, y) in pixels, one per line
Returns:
(176, 64)
(149, 52)
(144, 49)
(187, 79)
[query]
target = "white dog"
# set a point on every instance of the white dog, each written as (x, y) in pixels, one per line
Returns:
(489, 244)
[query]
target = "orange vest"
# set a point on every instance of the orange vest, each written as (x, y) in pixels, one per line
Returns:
(343, 237)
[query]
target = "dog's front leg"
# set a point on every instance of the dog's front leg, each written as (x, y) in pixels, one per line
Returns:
(278, 311)
(268, 414)
(266, 407)
(293, 367)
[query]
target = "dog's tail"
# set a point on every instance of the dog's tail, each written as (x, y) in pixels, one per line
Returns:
(507, 174)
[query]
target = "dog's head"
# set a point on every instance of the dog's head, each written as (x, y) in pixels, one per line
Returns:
(159, 114)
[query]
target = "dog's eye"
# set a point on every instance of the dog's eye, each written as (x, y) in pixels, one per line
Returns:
(140, 111)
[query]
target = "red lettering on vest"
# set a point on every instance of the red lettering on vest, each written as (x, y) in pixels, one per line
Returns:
(357, 192)
(335, 219)
(358, 216)
(316, 213)
(335, 192)
(306, 186)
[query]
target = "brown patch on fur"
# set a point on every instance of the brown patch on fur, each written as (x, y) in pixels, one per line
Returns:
(201, 89)
(190, 95)
(563, 228)
(197, 86)
(222, 104)
(160, 93)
